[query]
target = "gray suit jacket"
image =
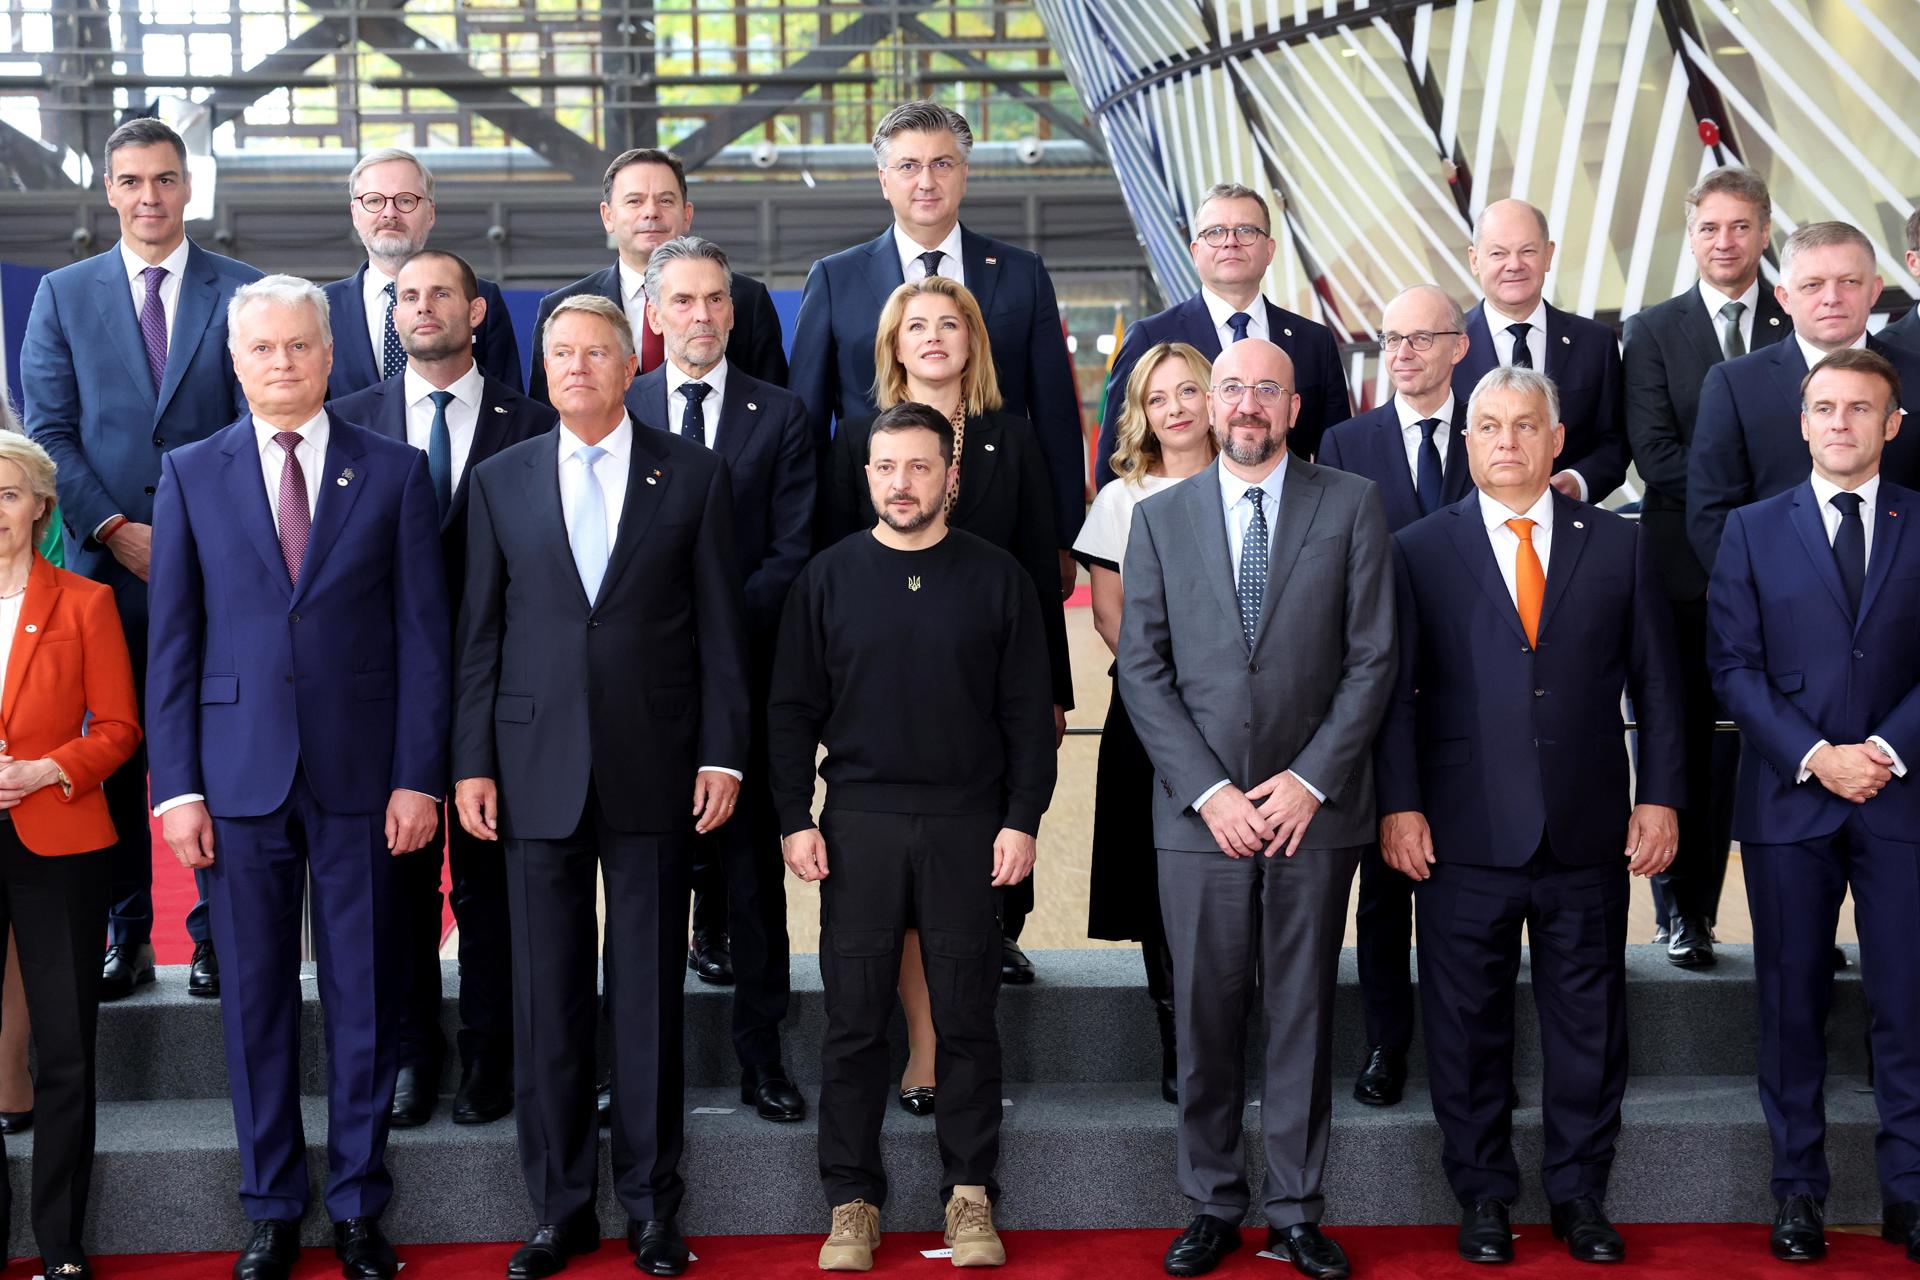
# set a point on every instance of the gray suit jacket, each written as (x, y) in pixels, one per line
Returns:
(1313, 690)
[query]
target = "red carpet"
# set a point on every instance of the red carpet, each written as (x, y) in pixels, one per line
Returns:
(1725, 1252)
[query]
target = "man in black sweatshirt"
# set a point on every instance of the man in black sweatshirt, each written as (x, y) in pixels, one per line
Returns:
(915, 653)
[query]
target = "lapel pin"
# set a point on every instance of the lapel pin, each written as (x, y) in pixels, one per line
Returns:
(993, 262)
(752, 407)
(499, 408)
(1565, 341)
(988, 448)
(1774, 321)
(30, 628)
(1288, 332)
(1578, 525)
(346, 478)
(651, 480)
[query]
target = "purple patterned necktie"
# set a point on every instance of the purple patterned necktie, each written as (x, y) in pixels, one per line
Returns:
(153, 325)
(295, 520)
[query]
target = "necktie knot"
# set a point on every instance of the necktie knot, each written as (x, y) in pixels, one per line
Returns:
(1427, 427)
(1254, 495)
(441, 399)
(386, 291)
(1522, 529)
(589, 454)
(931, 261)
(1732, 311)
(1847, 504)
(695, 391)
(1519, 332)
(154, 276)
(1238, 322)
(288, 440)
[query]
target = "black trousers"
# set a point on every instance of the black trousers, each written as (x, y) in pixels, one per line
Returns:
(479, 895)
(1383, 926)
(551, 901)
(1692, 885)
(1576, 922)
(886, 870)
(57, 908)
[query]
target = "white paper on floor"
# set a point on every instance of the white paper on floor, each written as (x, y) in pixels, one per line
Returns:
(713, 1111)
(936, 1253)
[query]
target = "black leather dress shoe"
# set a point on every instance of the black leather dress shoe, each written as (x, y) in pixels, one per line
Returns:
(546, 1251)
(1583, 1224)
(1203, 1246)
(67, 1262)
(271, 1251)
(657, 1247)
(1311, 1253)
(1800, 1230)
(1015, 969)
(1486, 1235)
(414, 1096)
(485, 1094)
(771, 1093)
(203, 972)
(1690, 944)
(1383, 1080)
(1839, 958)
(363, 1250)
(710, 958)
(1900, 1224)
(12, 1122)
(917, 1101)
(123, 969)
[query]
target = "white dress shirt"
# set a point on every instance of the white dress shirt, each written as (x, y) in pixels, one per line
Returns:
(1714, 300)
(174, 264)
(1823, 491)
(373, 296)
(1814, 355)
(1219, 309)
(1506, 543)
(912, 268)
(716, 380)
(1497, 322)
(463, 414)
(1410, 420)
(311, 451)
(633, 300)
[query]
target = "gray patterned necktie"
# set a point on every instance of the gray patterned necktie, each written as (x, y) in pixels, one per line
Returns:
(1253, 568)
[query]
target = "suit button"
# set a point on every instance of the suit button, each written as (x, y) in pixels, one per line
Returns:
(1253, 668)
(289, 678)
(1246, 724)
(1539, 693)
(293, 617)
(592, 624)
(1524, 649)
(157, 442)
(149, 491)
(1858, 654)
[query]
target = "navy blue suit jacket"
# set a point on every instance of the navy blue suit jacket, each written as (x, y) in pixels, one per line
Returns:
(1746, 438)
(1904, 332)
(755, 346)
(840, 314)
(762, 435)
(1318, 375)
(344, 675)
(1583, 359)
(1371, 445)
(1793, 666)
(90, 400)
(1500, 743)
(355, 365)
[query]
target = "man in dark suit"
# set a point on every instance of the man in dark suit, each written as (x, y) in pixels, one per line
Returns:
(1813, 604)
(1746, 437)
(1256, 658)
(1905, 332)
(1232, 248)
(390, 196)
(1669, 349)
(643, 204)
(1413, 448)
(761, 431)
(297, 700)
(444, 406)
(1503, 790)
(921, 149)
(602, 681)
(1513, 324)
(124, 358)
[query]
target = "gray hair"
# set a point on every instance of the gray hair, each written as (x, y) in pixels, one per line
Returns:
(383, 155)
(1733, 180)
(1455, 316)
(605, 308)
(1479, 223)
(921, 116)
(1234, 191)
(685, 249)
(1822, 235)
(39, 469)
(1508, 377)
(281, 291)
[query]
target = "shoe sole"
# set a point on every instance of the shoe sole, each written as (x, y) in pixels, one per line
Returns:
(1692, 961)
(846, 1258)
(980, 1256)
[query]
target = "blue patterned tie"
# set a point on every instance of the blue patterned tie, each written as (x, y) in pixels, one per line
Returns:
(693, 424)
(1238, 322)
(440, 451)
(589, 534)
(1253, 568)
(393, 357)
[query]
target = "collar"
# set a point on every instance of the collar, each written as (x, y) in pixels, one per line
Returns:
(1233, 488)
(1495, 514)
(618, 444)
(1814, 355)
(467, 388)
(715, 378)
(313, 431)
(1714, 299)
(1824, 489)
(175, 262)
(374, 283)
(1411, 417)
(910, 249)
(632, 283)
(1218, 308)
(1538, 318)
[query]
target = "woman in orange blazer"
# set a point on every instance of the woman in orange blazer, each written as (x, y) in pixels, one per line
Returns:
(67, 719)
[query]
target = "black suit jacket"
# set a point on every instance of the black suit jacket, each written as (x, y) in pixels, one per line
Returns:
(1318, 374)
(1499, 742)
(632, 691)
(840, 314)
(755, 346)
(762, 435)
(1583, 359)
(1669, 349)
(1904, 332)
(1371, 445)
(1747, 443)
(356, 367)
(1003, 498)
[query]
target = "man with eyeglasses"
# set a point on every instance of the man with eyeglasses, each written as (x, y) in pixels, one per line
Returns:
(1412, 448)
(390, 197)
(1232, 248)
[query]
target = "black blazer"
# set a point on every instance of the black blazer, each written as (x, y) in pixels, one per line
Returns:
(762, 435)
(632, 691)
(1321, 380)
(1003, 498)
(1669, 349)
(355, 367)
(1500, 743)
(1583, 359)
(1904, 332)
(1747, 443)
(755, 346)
(1371, 445)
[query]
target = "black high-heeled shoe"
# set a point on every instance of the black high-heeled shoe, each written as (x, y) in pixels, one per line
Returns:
(16, 1121)
(917, 1101)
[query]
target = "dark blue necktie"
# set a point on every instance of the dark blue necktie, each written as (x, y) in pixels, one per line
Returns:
(1253, 568)
(440, 451)
(1428, 476)
(1850, 548)
(1238, 322)
(1522, 353)
(931, 261)
(393, 357)
(694, 425)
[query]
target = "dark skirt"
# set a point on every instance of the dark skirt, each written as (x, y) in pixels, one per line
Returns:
(1123, 902)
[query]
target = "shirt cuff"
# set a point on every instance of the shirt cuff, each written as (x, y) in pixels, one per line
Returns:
(1208, 793)
(1899, 765)
(1805, 772)
(427, 794)
(720, 768)
(176, 802)
(1580, 481)
(1318, 794)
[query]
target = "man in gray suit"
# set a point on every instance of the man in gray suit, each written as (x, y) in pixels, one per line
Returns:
(1272, 580)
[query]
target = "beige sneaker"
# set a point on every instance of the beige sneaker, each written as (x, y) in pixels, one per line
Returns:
(854, 1237)
(971, 1235)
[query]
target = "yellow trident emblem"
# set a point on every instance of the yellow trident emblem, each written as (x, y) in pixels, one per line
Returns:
(913, 582)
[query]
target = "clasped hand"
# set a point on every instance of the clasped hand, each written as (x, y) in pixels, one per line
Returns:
(1855, 773)
(1269, 819)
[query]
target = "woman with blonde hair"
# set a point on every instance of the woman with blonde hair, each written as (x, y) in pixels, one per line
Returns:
(1163, 437)
(932, 348)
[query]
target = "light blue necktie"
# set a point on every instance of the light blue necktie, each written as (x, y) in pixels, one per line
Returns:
(589, 535)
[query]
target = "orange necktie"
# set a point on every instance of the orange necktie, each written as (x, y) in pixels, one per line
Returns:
(1529, 579)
